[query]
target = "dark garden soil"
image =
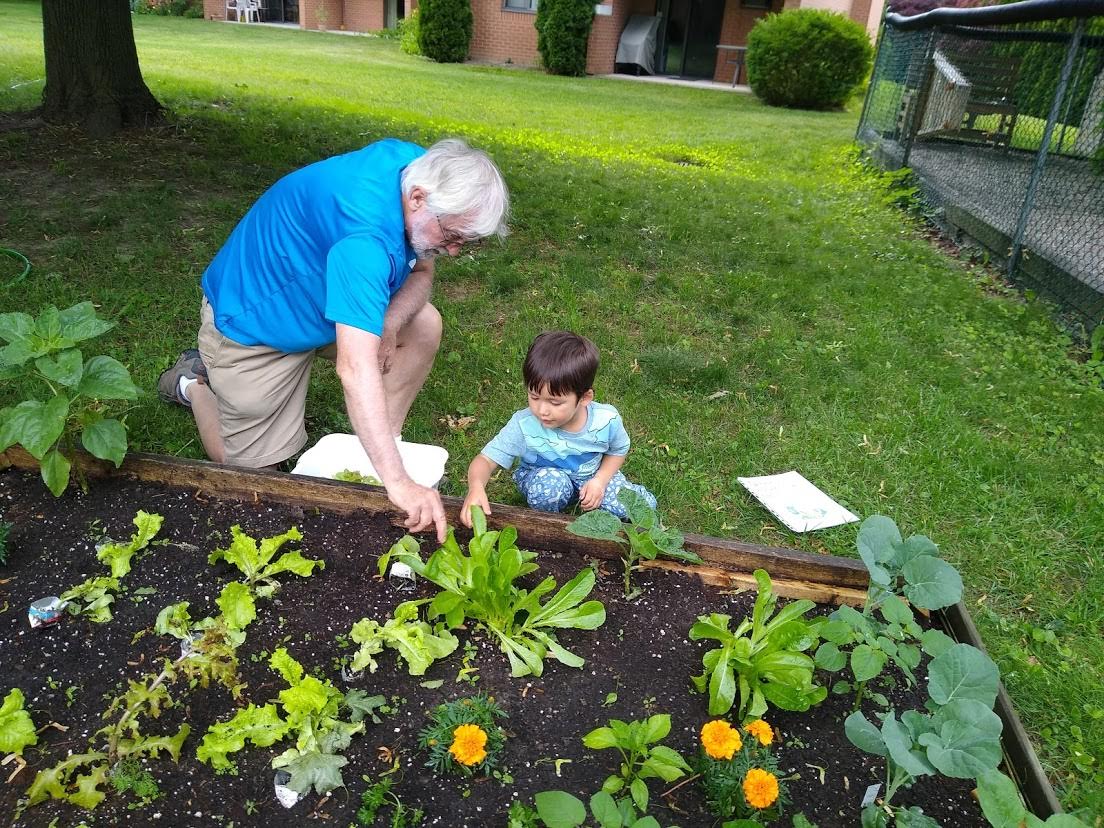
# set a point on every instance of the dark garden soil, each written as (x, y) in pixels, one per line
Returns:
(66, 671)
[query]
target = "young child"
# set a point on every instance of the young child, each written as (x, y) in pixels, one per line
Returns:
(569, 446)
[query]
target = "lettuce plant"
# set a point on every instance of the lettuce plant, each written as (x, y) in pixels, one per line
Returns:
(17, 731)
(258, 561)
(644, 538)
(94, 597)
(763, 659)
(641, 756)
(958, 735)
(417, 642)
(310, 708)
(480, 586)
(45, 348)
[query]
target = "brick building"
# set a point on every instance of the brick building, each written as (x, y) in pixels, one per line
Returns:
(689, 30)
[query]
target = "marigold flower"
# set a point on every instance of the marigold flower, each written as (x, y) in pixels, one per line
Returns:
(720, 739)
(469, 744)
(760, 788)
(761, 731)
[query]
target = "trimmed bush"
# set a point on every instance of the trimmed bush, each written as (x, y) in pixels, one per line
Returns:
(807, 58)
(445, 29)
(563, 27)
(408, 34)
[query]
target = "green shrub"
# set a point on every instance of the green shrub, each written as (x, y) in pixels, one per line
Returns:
(165, 8)
(445, 29)
(563, 27)
(408, 34)
(807, 58)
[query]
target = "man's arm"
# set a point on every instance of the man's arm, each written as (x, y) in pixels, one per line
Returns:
(407, 301)
(359, 370)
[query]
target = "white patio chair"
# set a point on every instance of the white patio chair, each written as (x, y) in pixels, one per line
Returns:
(249, 11)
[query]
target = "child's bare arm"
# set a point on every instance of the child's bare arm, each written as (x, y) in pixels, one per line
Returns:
(593, 491)
(479, 472)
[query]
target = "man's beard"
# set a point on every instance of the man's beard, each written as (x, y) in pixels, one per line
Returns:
(422, 248)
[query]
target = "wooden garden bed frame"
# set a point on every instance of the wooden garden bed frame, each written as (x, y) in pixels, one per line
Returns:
(826, 579)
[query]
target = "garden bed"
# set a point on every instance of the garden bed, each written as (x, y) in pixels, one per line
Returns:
(638, 663)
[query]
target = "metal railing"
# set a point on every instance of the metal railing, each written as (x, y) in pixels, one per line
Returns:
(999, 111)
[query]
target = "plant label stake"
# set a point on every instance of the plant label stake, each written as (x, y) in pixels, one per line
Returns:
(284, 795)
(45, 611)
(871, 794)
(401, 577)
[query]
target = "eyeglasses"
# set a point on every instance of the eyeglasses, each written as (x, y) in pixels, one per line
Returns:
(451, 238)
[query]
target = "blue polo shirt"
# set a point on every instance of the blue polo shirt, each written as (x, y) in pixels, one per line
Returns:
(324, 244)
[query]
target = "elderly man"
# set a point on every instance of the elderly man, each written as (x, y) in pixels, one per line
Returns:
(336, 260)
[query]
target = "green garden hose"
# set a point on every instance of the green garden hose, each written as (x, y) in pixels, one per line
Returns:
(19, 257)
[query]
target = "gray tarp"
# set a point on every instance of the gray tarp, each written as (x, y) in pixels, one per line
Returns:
(638, 42)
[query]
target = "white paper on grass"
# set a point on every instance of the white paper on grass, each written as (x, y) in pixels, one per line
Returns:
(796, 502)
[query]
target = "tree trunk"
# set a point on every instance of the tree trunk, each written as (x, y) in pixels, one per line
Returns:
(92, 73)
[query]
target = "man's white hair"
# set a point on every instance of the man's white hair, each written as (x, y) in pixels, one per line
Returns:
(464, 183)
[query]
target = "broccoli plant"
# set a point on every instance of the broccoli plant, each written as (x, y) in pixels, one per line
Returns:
(45, 348)
(643, 539)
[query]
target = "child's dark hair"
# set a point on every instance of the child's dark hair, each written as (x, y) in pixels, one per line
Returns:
(563, 361)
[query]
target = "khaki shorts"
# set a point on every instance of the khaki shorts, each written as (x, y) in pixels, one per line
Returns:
(261, 394)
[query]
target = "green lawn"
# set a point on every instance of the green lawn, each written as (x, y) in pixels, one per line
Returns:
(758, 304)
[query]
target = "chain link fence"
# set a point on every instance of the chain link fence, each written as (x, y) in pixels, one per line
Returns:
(999, 112)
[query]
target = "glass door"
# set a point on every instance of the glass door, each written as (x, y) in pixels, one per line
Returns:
(687, 46)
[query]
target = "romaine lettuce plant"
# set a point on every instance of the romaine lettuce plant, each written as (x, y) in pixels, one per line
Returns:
(641, 756)
(643, 539)
(480, 586)
(958, 736)
(17, 731)
(258, 562)
(310, 714)
(45, 348)
(417, 642)
(763, 659)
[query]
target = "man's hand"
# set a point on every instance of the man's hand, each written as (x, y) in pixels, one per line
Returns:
(422, 505)
(591, 494)
(476, 497)
(387, 345)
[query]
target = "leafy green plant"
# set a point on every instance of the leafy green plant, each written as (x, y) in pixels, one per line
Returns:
(463, 736)
(559, 809)
(958, 736)
(94, 597)
(865, 642)
(1004, 808)
(807, 58)
(408, 34)
(417, 642)
(763, 659)
(379, 795)
(641, 756)
(644, 538)
(44, 348)
(350, 476)
(563, 27)
(17, 731)
(130, 777)
(258, 562)
(480, 586)
(310, 714)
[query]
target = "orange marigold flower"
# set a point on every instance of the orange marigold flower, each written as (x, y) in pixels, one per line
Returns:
(760, 788)
(469, 744)
(720, 739)
(761, 731)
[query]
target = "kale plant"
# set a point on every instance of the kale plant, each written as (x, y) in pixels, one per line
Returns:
(643, 539)
(45, 349)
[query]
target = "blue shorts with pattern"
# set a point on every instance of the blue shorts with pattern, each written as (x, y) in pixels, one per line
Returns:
(552, 490)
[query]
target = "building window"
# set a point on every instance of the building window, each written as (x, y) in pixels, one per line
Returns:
(520, 5)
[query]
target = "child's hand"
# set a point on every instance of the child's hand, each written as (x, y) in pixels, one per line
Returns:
(591, 494)
(475, 497)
